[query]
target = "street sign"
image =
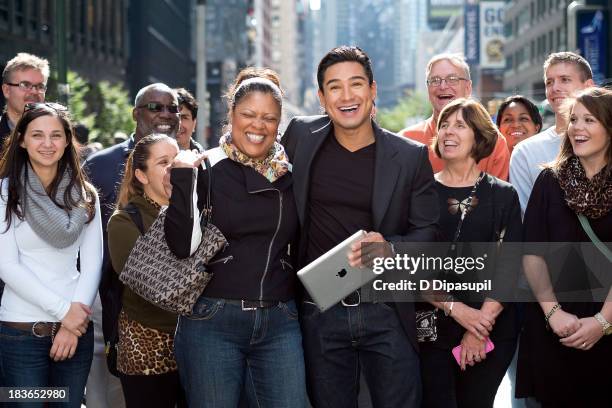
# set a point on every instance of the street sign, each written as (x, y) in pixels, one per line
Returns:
(472, 33)
(588, 28)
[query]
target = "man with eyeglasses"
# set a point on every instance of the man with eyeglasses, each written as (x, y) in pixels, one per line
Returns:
(156, 110)
(24, 80)
(448, 78)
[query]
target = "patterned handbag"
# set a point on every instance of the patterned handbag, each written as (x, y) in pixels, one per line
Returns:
(153, 272)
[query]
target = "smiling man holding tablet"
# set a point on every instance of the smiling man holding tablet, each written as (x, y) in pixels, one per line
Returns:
(349, 174)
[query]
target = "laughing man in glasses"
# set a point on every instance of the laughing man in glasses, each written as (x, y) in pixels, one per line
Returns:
(24, 80)
(448, 78)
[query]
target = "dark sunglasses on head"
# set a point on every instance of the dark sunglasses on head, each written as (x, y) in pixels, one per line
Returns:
(158, 107)
(28, 86)
(53, 105)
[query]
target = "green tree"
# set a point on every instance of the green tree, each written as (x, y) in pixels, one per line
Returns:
(113, 111)
(103, 107)
(413, 105)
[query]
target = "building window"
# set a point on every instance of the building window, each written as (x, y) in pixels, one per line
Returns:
(523, 21)
(551, 41)
(19, 17)
(508, 30)
(4, 13)
(277, 56)
(31, 17)
(117, 30)
(521, 58)
(45, 21)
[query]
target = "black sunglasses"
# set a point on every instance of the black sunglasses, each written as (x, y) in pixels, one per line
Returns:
(36, 105)
(158, 107)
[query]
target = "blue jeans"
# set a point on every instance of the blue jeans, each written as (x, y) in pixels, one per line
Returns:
(25, 362)
(221, 346)
(343, 341)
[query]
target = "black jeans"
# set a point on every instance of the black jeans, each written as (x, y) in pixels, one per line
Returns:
(153, 391)
(344, 341)
(446, 386)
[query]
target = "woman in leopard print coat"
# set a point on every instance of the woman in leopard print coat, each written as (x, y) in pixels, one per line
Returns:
(145, 357)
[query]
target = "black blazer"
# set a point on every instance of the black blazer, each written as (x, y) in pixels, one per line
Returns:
(404, 202)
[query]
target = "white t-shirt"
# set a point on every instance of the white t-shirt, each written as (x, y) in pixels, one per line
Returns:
(41, 281)
(527, 159)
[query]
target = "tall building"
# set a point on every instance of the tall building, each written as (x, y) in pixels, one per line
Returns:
(284, 44)
(96, 35)
(410, 21)
(230, 36)
(369, 24)
(160, 44)
(262, 56)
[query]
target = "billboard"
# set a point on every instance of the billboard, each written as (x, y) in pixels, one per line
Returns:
(492, 35)
(484, 34)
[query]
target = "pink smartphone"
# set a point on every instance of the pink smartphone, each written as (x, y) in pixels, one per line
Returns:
(457, 350)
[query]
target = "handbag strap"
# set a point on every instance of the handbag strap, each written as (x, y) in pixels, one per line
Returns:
(134, 214)
(586, 226)
(206, 217)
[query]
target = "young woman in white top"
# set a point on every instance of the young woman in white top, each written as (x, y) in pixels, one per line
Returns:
(49, 215)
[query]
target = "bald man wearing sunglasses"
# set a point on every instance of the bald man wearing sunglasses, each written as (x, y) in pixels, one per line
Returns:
(156, 110)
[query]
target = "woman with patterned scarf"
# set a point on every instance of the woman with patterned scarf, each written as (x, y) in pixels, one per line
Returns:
(49, 215)
(566, 347)
(244, 331)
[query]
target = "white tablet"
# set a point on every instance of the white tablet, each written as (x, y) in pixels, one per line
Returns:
(329, 278)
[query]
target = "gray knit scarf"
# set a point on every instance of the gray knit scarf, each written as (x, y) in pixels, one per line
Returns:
(56, 226)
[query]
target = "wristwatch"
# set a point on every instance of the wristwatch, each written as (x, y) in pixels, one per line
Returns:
(605, 325)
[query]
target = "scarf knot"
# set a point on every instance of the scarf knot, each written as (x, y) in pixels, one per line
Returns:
(57, 226)
(592, 198)
(272, 167)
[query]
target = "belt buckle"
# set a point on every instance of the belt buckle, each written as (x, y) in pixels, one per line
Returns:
(246, 309)
(34, 330)
(353, 304)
